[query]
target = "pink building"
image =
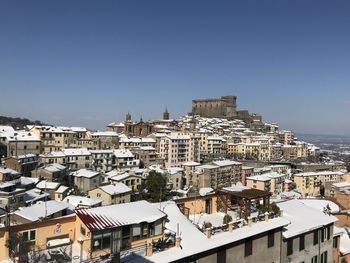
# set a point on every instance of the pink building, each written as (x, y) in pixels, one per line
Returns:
(179, 149)
(246, 171)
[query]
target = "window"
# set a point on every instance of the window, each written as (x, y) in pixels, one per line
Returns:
(271, 239)
(315, 237)
(136, 232)
(328, 232)
(126, 237)
(82, 230)
(101, 240)
(248, 248)
(289, 247)
(156, 228)
(301, 242)
(29, 235)
(324, 257)
(314, 259)
(323, 234)
(335, 242)
(98, 195)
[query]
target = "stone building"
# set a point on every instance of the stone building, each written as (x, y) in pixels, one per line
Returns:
(140, 128)
(23, 164)
(14, 143)
(224, 107)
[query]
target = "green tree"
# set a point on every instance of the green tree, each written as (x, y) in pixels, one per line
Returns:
(155, 184)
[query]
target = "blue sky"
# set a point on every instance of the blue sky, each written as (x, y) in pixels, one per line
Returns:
(87, 63)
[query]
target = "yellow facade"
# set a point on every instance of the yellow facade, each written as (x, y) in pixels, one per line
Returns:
(108, 199)
(132, 181)
(63, 227)
(198, 205)
(84, 237)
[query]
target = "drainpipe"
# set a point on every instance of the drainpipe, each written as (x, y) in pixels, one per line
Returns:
(81, 241)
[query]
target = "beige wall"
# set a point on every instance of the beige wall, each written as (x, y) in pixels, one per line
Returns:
(44, 230)
(196, 205)
(107, 199)
(260, 185)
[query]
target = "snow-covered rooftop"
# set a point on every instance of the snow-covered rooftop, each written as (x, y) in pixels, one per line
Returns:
(115, 189)
(263, 178)
(76, 151)
(85, 173)
(303, 217)
(226, 163)
(47, 185)
(41, 210)
(193, 241)
(77, 200)
(123, 153)
(111, 216)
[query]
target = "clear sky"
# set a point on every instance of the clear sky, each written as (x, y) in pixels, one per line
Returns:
(87, 63)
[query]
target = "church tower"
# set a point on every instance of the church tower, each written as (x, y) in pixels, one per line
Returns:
(128, 118)
(166, 114)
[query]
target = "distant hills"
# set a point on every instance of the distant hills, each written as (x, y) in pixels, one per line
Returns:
(18, 123)
(324, 139)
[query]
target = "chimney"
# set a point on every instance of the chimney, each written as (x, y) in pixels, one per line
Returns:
(177, 242)
(230, 227)
(281, 212)
(250, 221)
(208, 232)
(149, 249)
(266, 217)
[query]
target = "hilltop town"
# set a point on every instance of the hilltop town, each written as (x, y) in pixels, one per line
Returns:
(216, 183)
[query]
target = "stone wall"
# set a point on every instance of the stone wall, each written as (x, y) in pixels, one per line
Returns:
(225, 107)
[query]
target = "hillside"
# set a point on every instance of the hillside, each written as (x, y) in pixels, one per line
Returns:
(19, 123)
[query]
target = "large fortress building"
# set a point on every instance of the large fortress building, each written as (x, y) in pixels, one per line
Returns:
(225, 107)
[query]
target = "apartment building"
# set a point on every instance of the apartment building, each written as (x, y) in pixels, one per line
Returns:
(125, 159)
(178, 149)
(309, 236)
(102, 160)
(148, 156)
(135, 224)
(286, 137)
(116, 193)
(313, 183)
(39, 234)
(11, 195)
(260, 182)
(216, 145)
(86, 179)
(136, 142)
(23, 164)
(270, 181)
(77, 158)
(102, 140)
(219, 174)
(14, 143)
(130, 179)
(236, 150)
(51, 172)
(54, 138)
(257, 242)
